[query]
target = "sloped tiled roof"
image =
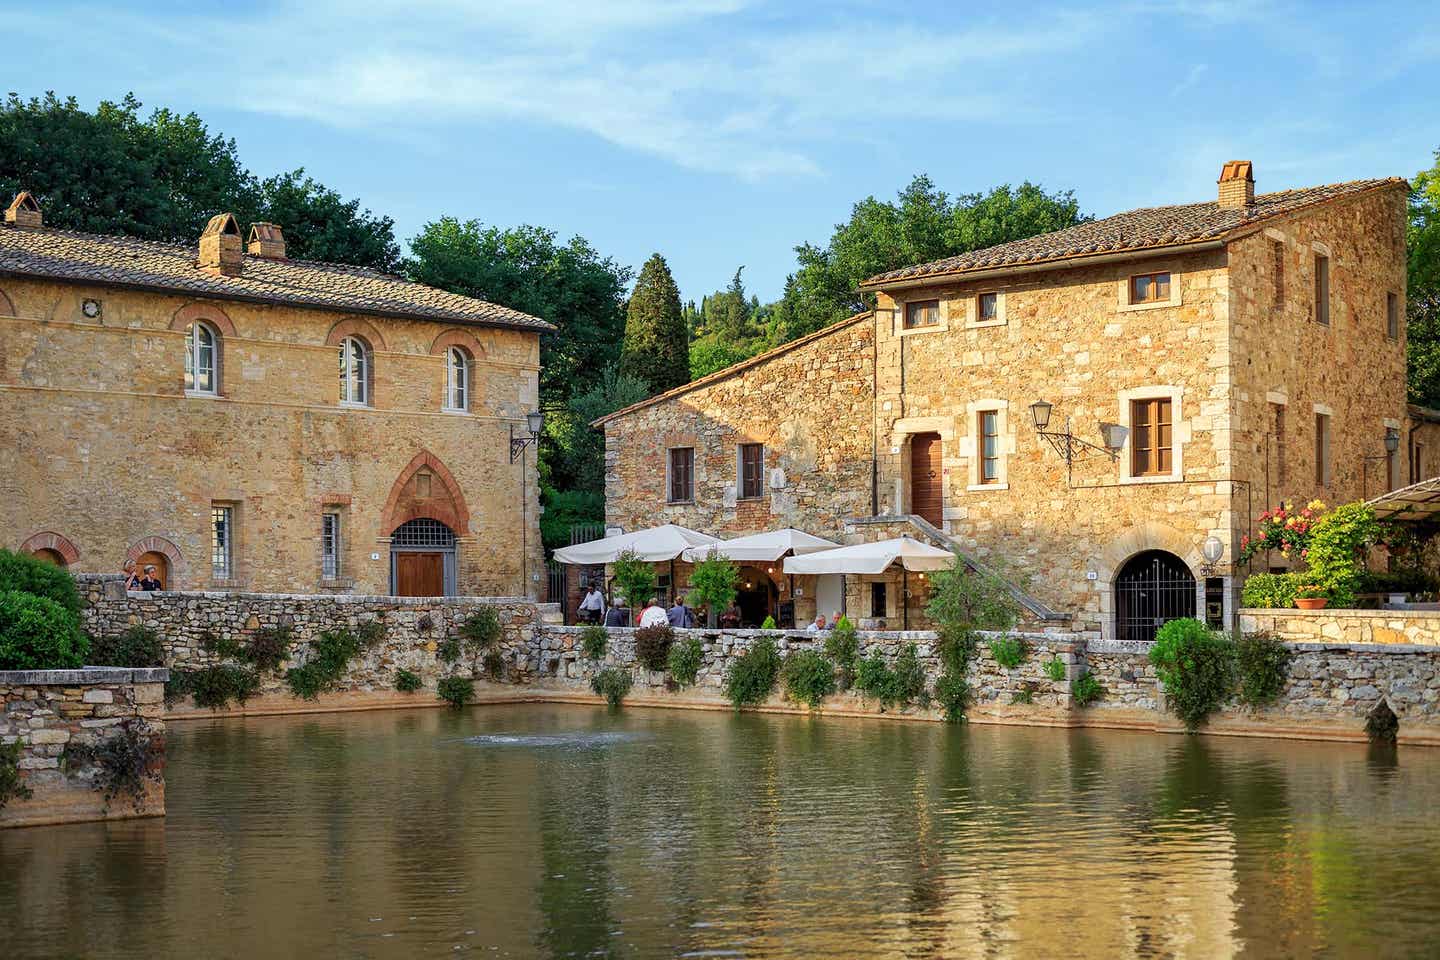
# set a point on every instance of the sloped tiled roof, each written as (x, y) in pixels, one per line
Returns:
(171, 268)
(1134, 231)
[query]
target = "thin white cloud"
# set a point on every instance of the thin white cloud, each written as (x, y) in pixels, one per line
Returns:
(1191, 78)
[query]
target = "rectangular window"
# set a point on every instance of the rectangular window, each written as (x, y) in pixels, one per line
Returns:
(752, 470)
(222, 533)
(989, 435)
(682, 475)
(877, 600)
(1392, 316)
(922, 313)
(1279, 433)
(1277, 251)
(1150, 437)
(1150, 288)
(1322, 449)
(1322, 289)
(330, 546)
(987, 307)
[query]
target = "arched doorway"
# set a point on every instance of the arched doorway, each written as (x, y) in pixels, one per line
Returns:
(422, 559)
(49, 556)
(756, 596)
(1152, 588)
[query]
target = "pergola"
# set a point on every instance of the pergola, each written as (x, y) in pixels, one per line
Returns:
(1418, 503)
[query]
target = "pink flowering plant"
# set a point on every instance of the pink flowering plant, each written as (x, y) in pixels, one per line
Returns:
(1284, 529)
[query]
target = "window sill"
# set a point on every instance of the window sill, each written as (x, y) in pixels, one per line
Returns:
(223, 584)
(455, 411)
(679, 503)
(751, 499)
(1159, 478)
(1157, 305)
(353, 405)
(985, 323)
(203, 395)
(977, 487)
(916, 331)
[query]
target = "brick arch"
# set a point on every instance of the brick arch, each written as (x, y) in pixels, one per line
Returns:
(458, 338)
(355, 327)
(1135, 540)
(208, 312)
(7, 306)
(171, 553)
(447, 504)
(49, 540)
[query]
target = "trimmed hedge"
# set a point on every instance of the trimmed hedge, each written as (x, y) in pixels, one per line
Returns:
(36, 633)
(20, 571)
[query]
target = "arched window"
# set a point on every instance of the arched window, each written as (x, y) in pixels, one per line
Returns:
(202, 359)
(354, 371)
(457, 379)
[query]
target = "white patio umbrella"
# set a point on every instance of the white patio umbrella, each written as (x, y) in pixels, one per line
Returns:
(873, 558)
(665, 542)
(765, 547)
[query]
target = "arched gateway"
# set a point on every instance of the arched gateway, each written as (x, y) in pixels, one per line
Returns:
(1152, 588)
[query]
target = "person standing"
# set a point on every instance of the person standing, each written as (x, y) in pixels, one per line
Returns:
(653, 615)
(150, 581)
(680, 615)
(592, 607)
(132, 577)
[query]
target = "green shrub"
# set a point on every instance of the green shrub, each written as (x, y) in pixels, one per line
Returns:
(27, 574)
(1263, 664)
(1336, 555)
(769, 623)
(268, 647)
(1197, 667)
(594, 641)
(456, 691)
(1055, 669)
(684, 661)
(842, 646)
(1023, 695)
(952, 692)
(652, 646)
(1085, 690)
(612, 683)
(407, 681)
(897, 686)
(752, 675)
(329, 655)
(36, 633)
(1009, 652)
(136, 647)
(1270, 591)
(481, 630)
(12, 785)
(955, 648)
(449, 649)
(493, 665)
(634, 579)
(214, 687)
(226, 647)
(122, 762)
(371, 633)
(809, 677)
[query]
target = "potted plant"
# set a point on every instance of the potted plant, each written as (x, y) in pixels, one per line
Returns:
(1311, 597)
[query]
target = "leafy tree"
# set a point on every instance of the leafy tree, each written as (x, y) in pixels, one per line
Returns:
(1422, 312)
(923, 224)
(710, 354)
(656, 340)
(713, 584)
(634, 580)
(163, 177)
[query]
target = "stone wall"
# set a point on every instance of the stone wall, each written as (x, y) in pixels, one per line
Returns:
(1415, 627)
(189, 625)
(117, 459)
(52, 711)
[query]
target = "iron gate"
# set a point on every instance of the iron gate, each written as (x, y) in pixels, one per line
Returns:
(1154, 587)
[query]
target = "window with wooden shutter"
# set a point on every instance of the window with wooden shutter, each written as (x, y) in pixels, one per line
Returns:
(1277, 250)
(1322, 449)
(1150, 427)
(752, 470)
(1279, 432)
(1322, 289)
(1392, 316)
(682, 475)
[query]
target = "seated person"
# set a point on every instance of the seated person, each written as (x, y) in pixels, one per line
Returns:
(617, 617)
(817, 625)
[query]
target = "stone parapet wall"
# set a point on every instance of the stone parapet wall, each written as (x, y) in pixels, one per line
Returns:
(52, 711)
(1414, 627)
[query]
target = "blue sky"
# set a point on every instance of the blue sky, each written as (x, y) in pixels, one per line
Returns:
(724, 132)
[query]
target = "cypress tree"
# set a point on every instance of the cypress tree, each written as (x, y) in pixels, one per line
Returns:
(657, 349)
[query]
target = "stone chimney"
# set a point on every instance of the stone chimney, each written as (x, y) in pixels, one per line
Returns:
(1237, 185)
(220, 251)
(24, 212)
(266, 240)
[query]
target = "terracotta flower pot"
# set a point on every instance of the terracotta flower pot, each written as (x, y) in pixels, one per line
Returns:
(1311, 603)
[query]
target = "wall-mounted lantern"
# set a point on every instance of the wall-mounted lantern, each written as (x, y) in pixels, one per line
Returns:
(1392, 444)
(1070, 447)
(534, 422)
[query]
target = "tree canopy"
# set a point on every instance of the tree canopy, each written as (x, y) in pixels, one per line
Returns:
(1422, 311)
(656, 348)
(163, 177)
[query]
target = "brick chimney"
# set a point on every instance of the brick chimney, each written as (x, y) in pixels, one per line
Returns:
(1237, 185)
(266, 240)
(24, 212)
(220, 251)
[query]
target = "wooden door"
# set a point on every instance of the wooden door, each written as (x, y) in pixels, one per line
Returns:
(419, 574)
(926, 496)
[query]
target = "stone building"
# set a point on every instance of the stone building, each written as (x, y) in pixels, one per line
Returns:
(1085, 408)
(245, 421)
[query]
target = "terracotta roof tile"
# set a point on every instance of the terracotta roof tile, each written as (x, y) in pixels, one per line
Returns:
(166, 267)
(1135, 230)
